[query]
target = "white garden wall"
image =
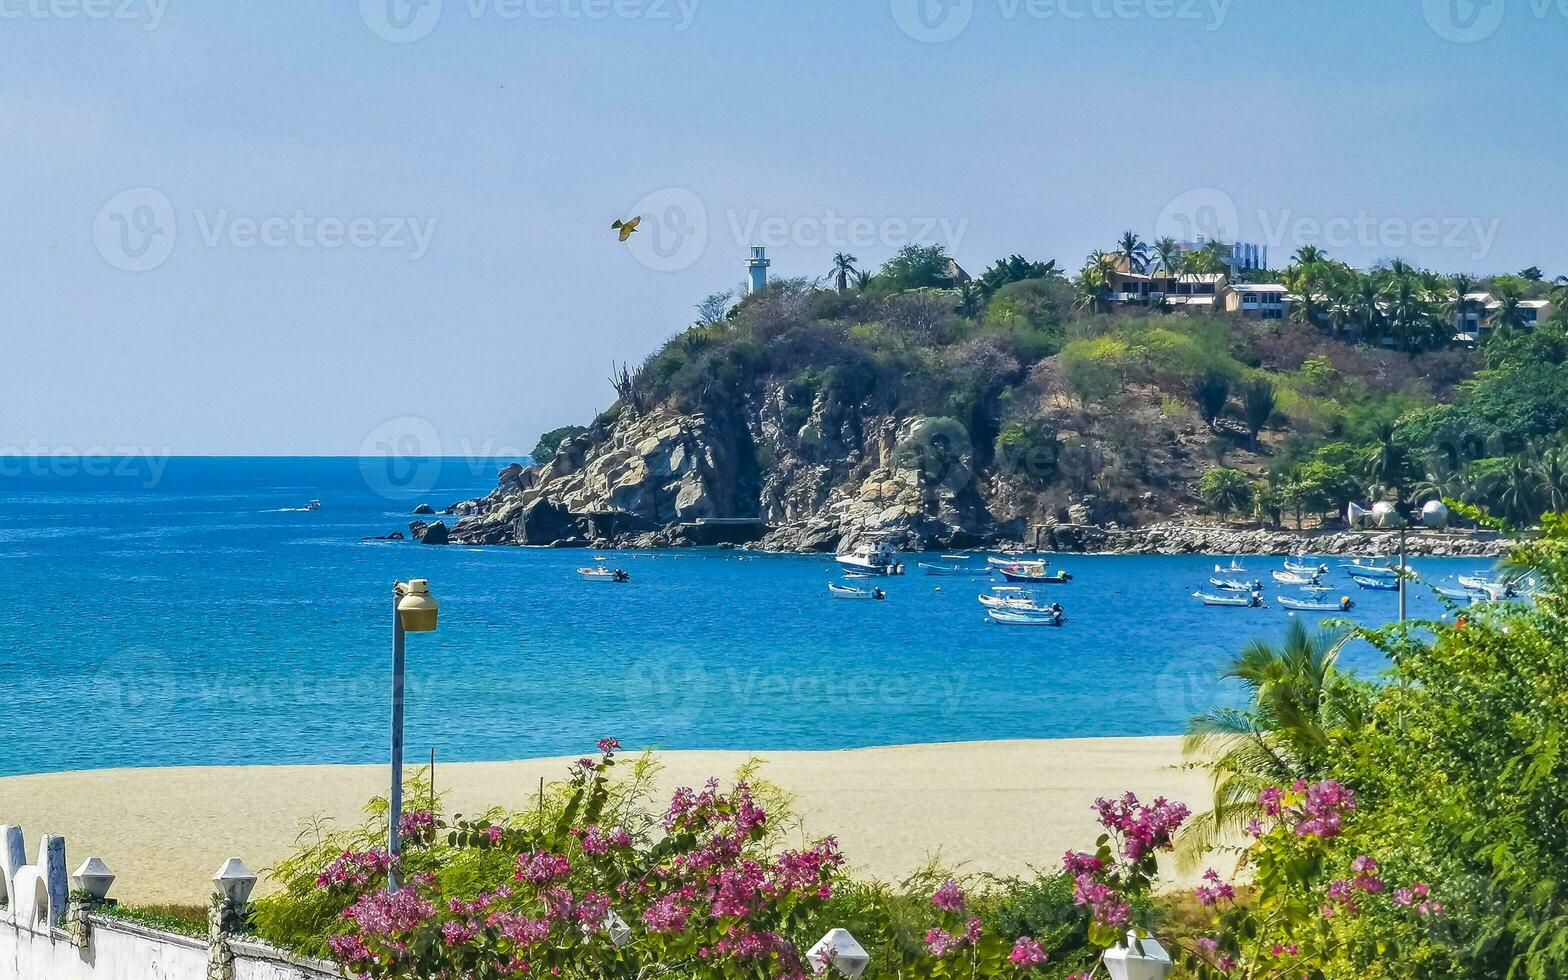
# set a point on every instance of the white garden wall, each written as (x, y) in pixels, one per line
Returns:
(48, 933)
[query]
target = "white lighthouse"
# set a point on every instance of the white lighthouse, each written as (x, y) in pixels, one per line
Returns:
(757, 269)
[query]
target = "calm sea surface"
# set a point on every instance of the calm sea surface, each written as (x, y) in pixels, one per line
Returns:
(199, 618)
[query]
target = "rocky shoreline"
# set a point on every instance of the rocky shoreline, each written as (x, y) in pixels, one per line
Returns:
(1200, 539)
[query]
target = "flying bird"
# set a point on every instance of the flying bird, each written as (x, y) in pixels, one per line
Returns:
(627, 227)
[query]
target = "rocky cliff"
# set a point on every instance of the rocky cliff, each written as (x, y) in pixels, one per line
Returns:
(799, 478)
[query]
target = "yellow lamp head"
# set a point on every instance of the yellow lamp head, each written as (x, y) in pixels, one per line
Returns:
(416, 607)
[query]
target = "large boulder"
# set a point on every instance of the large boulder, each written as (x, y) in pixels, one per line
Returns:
(434, 533)
(545, 522)
(424, 509)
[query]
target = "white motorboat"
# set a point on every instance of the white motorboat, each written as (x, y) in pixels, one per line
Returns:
(1460, 595)
(1345, 604)
(1236, 585)
(1018, 617)
(602, 574)
(851, 592)
(931, 569)
(1022, 603)
(1376, 584)
(1010, 560)
(874, 557)
(1370, 568)
(1302, 568)
(1295, 578)
(1233, 568)
(1253, 601)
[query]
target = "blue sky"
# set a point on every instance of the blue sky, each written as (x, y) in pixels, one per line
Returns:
(273, 227)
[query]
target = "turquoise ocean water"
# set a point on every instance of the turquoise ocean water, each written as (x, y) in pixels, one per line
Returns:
(191, 615)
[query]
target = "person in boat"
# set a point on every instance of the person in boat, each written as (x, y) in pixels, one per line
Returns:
(620, 576)
(877, 593)
(1257, 599)
(1056, 612)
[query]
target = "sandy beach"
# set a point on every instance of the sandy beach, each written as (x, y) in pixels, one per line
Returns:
(980, 806)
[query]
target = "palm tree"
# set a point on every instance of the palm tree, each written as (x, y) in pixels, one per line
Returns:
(1308, 255)
(1257, 405)
(863, 280)
(1509, 315)
(1559, 298)
(1306, 280)
(1132, 250)
(1368, 307)
(1408, 313)
(1387, 464)
(1298, 700)
(1167, 255)
(1341, 307)
(1455, 307)
(1519, 492)
(843, 268)
(1095, 282)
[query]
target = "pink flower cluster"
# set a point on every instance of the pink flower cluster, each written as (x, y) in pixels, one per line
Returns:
(1316, 809)
(1214, 890)
(542, 867)
(597, 843)
(949, 897)
(1104, 903)
(383, 913)
(414, 824)
(1417, 892)
(356, 869)
(1027, 953)
(1144, 828)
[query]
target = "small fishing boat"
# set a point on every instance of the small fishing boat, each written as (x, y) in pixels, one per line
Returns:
(1018, 617)
(313, 505)
(1461, 595)
(602, 574)
(1231, 569)
(931, 569)
(1295, 578)
(1253, 601)
(1021, 603)
(1236, 585)
(850, 592)
(1376, 584)
(1034, 572)
(1477, 584)
(874, 557)
(1345, 604)
(1017, 559)
(1303, 568)
(956, 557)
(1370, 568)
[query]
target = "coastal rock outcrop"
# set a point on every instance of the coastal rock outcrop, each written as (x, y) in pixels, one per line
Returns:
(771, 471)
(434, 533)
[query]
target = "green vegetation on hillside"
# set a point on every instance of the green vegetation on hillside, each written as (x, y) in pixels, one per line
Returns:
(1132, 405)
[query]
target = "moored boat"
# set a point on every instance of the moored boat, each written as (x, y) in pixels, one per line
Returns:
(1295, 578)
(1345, 604)
(1233, 568)
(1252, 601)
(1236, 585)
(1018, 617)
(851, 592)
(1369, 568)
(1376, 584)
(602, 574)
(931, 569)
(1034, 572)
(874, 557)
(1303, 568)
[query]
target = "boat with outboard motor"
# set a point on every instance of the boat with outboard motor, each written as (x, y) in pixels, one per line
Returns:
(1252, 601)
(874, 557)
(1345, 604)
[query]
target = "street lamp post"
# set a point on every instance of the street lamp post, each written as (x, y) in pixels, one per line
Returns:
(414, 610)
